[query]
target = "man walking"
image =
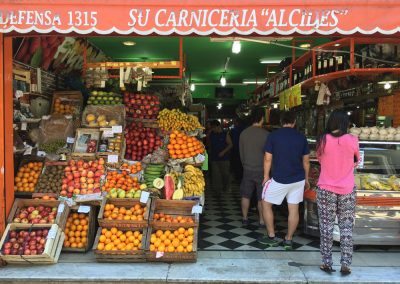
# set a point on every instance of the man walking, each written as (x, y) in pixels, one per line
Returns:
(287, 152)
(251, 147)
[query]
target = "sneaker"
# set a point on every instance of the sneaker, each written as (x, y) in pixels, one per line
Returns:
(245, 222)
(288, 244)
(269, 241)
(261, 226)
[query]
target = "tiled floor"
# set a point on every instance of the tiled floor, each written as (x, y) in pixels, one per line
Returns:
(221, 228)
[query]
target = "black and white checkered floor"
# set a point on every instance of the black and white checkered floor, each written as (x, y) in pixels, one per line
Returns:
(221, 228)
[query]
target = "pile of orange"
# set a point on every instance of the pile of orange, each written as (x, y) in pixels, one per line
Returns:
(28, 176)
(180, 240)
(120, 181)
(63, 108)
(115, 239)
(45, 197)
(135, 213)
(172, 219)
(133, 169)
(183, 146)
(76, 230)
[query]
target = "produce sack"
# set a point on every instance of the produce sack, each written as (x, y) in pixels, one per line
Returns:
(57, 127)
(103, 115)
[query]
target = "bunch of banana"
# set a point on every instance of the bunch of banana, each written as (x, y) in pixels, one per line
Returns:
(176, 176)
(193, 184)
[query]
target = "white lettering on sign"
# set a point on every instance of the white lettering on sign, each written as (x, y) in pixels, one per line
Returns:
(360, 164)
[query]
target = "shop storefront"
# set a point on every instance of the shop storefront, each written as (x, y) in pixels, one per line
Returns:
(348, 26)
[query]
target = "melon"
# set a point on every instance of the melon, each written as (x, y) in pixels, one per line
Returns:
(90, 117)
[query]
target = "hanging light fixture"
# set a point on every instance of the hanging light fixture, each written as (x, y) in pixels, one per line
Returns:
(192, 87)
(219, 106)
(236, 47)
(223, 81)
(387, 86)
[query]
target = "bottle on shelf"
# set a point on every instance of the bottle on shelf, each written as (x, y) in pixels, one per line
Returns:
(319, 65)
(332, 63)
(339, 63)
(325, 65)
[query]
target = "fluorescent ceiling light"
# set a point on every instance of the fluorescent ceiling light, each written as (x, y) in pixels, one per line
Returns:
(219, 106)
(336, 44)
(270, 61)
(305, 45)
(387, 86)
(223, 81)
(271, 72)
(236, 47)
(192, 87)
(249, 82)
(387, 82)
(129, 43)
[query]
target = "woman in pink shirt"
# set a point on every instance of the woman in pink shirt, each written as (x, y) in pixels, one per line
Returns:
(337, 153)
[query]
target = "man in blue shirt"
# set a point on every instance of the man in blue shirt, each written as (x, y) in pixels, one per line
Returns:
(287, 152)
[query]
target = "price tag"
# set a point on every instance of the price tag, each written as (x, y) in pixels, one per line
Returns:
(28, 151)
(70, 140)
(46, 117)
(144, 196)
(15, 149)
(24, 126)
(84, 209)
(52, 233)
(61, 208)
(112, 159)
(200, 158)
(360, 164)
(41, 154)
(19, 94)
(117, 129)
(197, 209)
(68, 116)
(159, 254)
(108, 133)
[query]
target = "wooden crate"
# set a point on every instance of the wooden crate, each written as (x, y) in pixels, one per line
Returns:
(25, 161)
(91, 230)
(174, 208)
(48, 164)
(62, 212)
(152, 256)
(127, 203)
(52, 247)
(40, 196)
(122, 256)
(95, 134)
(112, 112)
(74, 96)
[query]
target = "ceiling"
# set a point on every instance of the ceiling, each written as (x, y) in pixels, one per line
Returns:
(205, 60)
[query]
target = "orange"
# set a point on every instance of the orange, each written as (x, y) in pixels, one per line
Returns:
(79, 228)
(71, 234)
(108, 234)
(109, 246)
(84, 222)
(184, 243)
(157, 243)
(159, 233)
(152, 248)
(189, 248)
(114, 237)
(180, 249)
(77, 234)
(190, 239)
(102, 239)
(181, 237)
(175, 243)
(67, 244)
(128, 233)
(122, 238)
(120, 233)
(114, 231)
(171, 248)
(167, 242)
(80, 245)
(161, 248)
(190, 230)
(107, 241)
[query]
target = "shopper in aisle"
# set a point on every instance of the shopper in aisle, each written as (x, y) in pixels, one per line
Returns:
(338, 153)
(236, 164)
(251, 146)
(220, 147)
(287, 152)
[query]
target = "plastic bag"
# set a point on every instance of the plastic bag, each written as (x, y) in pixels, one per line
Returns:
(57, 127)
(115, 113)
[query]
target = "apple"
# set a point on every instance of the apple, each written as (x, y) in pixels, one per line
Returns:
(35, 221)
(35, 212)
(80, 163)
(73, 169)
(7, 245)
(13, 234)
(63, 192)
(85, 166)
(23, 215)
(17, 220)
(27, 252)
(83, 179)
(31, 209)
(77, 191)
(43, 221)
(33, 252)
(84, 173)
(70, 177)
(76, 175)
(90, 174)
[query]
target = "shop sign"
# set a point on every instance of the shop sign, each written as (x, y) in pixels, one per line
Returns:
(347, 93)
(201, 17)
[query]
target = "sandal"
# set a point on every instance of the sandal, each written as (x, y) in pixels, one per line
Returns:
(345, 270)
(327, 268)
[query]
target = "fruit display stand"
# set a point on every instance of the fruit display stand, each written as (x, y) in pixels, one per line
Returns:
(103, 116)
(34, 205)
(115, 145)
(127, 204)
(50, 181)
(177, 210)
(51, 249)
(73, 99)
(90, 232)
(30, 167)
(105, 254)
(86, 143)
(164, 255)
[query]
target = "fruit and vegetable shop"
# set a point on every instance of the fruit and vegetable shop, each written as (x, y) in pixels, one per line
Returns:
(106, 110)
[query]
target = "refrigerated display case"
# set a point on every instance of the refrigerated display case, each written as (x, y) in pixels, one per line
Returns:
(377, 178)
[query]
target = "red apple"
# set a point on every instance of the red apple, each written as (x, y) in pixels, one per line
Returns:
(17, 220)
(31, 209)
(90, 174)
(84, 173)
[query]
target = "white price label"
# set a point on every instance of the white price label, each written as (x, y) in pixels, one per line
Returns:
(70, 140)
(28, 151)
(84, 209)
(61, 208)
(15, 149)
(68, 116)
(46, 117)
(52, 233)
(112, 159)
(24, 126)
(197, 209)
(360, 164)
(41, 154)
(200, 158)
(19, 94)
(159, 254)
(144, 196)
(108, 133)
(117, 129)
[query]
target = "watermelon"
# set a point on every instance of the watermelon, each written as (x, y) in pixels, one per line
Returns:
(169, 186)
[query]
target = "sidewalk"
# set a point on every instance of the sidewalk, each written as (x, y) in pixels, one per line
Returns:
(211, 267)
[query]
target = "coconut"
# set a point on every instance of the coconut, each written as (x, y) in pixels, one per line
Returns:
(355, 130)
(374, 130)
(390, 137)
(391, 130)
(364, 136)
(383, 132)
(397, 137)
(374, 136)
(365, 130)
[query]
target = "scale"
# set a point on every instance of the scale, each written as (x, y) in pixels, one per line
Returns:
(384, 121)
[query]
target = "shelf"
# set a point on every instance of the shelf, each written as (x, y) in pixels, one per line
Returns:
(372, 142)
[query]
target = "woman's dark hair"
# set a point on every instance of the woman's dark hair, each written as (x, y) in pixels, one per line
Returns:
(215, 123)
(338, 123)
(256, 115)
(288, 117)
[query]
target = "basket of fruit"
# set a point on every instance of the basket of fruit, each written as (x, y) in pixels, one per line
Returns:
(28, 175)
(120, 245)
(80, 229)
(178, 245)
(38, 212)
(124, 213)
(103, 116)
(67, 102)
(172, 214)
(24, 244)
(50, 180)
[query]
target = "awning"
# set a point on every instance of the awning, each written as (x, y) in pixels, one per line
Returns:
(202, 17)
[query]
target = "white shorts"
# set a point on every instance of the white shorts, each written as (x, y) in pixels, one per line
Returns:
(274, 192)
